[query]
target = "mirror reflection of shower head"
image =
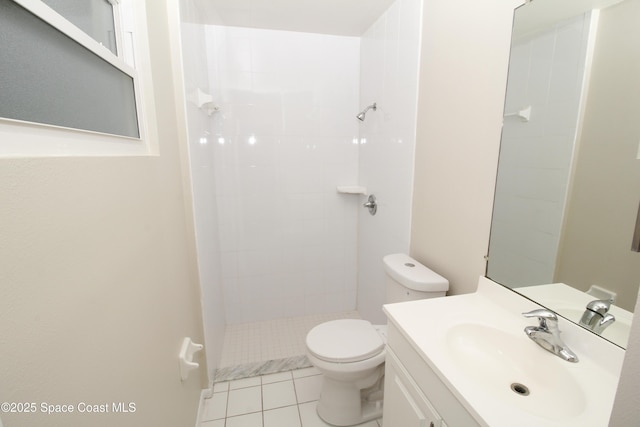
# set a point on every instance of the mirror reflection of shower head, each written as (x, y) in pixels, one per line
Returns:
(364, 112)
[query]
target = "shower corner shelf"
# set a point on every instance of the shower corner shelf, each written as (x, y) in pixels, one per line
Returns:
(351, 189)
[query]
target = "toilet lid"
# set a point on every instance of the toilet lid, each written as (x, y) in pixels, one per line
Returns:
(345, 340)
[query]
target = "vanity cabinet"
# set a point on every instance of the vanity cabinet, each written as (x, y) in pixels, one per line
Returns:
(405, 405)
(414, 396)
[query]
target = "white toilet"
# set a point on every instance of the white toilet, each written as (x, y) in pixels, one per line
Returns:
(350, 353)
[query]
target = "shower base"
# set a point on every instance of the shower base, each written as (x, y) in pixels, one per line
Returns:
(269, 346)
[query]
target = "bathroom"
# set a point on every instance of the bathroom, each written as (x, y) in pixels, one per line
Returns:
(266, 166)
(121, 327)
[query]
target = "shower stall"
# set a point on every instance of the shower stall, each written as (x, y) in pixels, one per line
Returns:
(272, 132)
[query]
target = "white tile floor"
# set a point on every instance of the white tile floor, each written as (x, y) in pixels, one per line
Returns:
(271, 339)
(285, 399)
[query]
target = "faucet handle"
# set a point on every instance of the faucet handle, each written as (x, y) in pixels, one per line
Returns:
(599, 306)
(547, 318)
(547, 335)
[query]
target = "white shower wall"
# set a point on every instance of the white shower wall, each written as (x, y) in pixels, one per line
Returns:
(285, 138)
(195, 76)
(390, 56)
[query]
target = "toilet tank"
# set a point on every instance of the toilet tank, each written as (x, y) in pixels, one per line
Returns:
(408, 280)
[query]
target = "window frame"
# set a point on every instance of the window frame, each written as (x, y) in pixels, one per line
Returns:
(31, 139)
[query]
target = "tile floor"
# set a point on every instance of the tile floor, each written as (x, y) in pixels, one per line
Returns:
(272, 339)
(285, 399)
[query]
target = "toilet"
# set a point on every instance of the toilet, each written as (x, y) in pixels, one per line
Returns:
(350, 353)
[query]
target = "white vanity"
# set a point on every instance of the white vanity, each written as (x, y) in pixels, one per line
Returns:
(413, 390)
(465, 361)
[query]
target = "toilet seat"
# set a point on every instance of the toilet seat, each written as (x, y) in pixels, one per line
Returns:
(344, 341)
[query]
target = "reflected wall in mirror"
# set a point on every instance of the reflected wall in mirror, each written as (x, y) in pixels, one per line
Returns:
(568, 186)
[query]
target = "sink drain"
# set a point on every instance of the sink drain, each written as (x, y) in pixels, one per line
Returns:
(521, 389)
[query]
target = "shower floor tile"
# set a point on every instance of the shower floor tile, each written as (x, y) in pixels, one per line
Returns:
(272, 339)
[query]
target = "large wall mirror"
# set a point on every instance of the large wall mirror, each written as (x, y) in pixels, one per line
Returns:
(568, 186)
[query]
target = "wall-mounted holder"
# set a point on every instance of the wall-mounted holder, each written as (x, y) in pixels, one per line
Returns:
(524, 114)
(599, 292)
(188, 349)
(204, 101)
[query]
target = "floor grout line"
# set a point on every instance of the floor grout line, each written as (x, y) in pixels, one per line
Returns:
(282, 343)
(296, 402)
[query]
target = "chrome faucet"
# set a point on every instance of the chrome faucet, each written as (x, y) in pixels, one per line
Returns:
(547, 334)
(597, 317)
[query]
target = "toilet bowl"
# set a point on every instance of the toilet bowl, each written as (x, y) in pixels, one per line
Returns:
(350, 353)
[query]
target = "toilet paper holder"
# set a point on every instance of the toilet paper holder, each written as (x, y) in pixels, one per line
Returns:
(188, 349)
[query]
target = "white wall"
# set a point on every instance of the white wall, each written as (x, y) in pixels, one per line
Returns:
(546, 72)
(389, 76)
(463, 73)
(98, 288)
(200, 145)
(626, 408)
(282, 143)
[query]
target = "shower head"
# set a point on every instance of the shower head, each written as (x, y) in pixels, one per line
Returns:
(364, 112)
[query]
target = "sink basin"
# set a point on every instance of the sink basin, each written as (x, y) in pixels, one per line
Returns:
(501, 363)
(476, 345)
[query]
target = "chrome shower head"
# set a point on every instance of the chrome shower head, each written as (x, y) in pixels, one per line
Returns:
(364, 112)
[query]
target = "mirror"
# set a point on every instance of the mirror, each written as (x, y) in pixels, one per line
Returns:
(568, 185)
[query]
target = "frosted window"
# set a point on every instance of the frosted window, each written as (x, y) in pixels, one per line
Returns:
(46, 77)
(94, 17)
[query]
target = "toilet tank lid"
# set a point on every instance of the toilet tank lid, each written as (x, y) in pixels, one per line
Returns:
(413, 275)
